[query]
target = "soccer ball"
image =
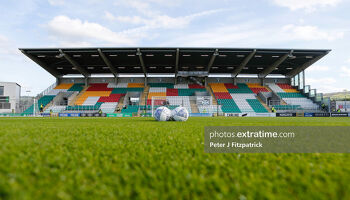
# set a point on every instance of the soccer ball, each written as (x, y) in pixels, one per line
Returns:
(179, 114)
(162, 114)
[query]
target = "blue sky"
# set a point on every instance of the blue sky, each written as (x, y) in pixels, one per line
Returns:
(321, 24)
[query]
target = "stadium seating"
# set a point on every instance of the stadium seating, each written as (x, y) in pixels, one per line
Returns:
(241, 101)
(294, 99)
(256, 88)
(65, 86)
(76, 87)
(238, 98)
(257, 106)
(130, 109)
(210, 109)
(108, 107)
(178, 94)
(82, 108)
(44, 100)
(55, 109)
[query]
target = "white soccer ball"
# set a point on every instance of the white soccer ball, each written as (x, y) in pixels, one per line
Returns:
(180, 114)
(162, 114)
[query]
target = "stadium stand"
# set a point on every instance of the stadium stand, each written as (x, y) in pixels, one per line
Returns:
(292, 97)
(237, 98)
(174, 94)
(124, 93)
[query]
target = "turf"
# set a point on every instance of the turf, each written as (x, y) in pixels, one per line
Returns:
(138, 158)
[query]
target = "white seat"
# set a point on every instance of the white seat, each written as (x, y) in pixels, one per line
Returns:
(90, 101)
(108, 107)
(274, 87)
(157, 89)
(181, 86)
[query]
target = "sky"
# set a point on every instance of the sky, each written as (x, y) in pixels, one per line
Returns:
(305, 24)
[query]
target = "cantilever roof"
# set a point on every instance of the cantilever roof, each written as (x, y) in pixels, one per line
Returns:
(181, 61)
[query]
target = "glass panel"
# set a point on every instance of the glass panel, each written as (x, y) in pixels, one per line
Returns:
(307, 89)
(301, 83)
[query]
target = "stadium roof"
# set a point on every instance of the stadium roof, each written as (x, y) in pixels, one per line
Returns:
(178, 61)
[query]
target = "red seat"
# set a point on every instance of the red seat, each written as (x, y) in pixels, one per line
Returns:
(222, 95)
(257, 90)
(285, 86)
(230, 86)
(157, 102)
(195, 86)
(111, 98)
(99, 87)
(172, 92)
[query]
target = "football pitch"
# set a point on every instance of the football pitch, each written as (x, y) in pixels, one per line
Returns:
(139, 158)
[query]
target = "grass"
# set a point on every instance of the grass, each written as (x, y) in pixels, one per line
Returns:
(138, 158)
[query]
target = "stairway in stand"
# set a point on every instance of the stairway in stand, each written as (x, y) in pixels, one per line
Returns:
(72, 102)
(120, 104)
(262, 103)
(194, 108)
(215, 102)
(144, 96)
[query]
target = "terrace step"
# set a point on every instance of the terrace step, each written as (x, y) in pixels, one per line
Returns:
(72, 103)
(194, 107)
(144, 95)
(262, 103)
(215, 102)
(120, 105)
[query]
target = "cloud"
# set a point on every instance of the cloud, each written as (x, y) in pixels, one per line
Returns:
(307, 5)
(329, 89)
(325, 85)
(310, 33)
(8, 48)
(154, 19)
(246, 35)
(327, 80)
(318, 68)
(56, 2)
(109, 16)
(345, 71)
(70, 30)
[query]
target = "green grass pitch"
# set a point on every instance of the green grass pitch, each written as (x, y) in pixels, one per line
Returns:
(139, 158)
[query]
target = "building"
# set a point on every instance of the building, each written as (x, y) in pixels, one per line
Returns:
(135, 80)
(10, 93)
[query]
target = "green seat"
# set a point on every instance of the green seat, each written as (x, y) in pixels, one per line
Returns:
(257, 106)
(167, 85)
(77, 87)
(130, 109)
(44, 100)
(228, 106)
(242, 88)
(290, 95)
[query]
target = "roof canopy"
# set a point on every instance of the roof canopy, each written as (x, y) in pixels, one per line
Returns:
(178, 61)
